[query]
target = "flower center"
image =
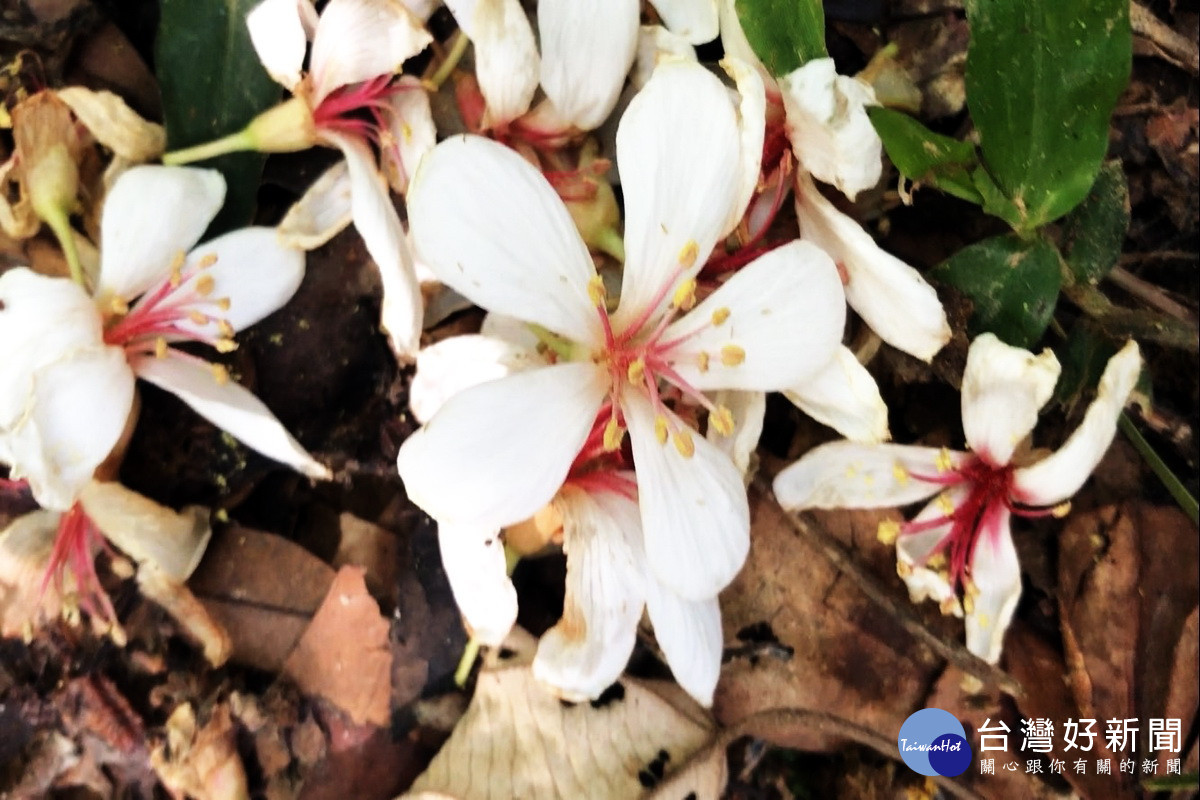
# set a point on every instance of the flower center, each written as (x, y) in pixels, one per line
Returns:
(365, 111)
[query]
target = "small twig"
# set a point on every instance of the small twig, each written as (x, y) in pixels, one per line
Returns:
(1175, 486)
(841, 558)
(1179, 50)
(1149, 294)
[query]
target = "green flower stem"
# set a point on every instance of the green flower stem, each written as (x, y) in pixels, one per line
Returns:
(610, 242)
(1173, 484)
(60, 224)
(458, 48)
(563, 348)
(470, 653)
(233, 143)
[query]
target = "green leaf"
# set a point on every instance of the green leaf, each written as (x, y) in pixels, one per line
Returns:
(1083, 357)
(924, 156)
(1042, 79)
(785, 34)
(212, 85)
(1013, 282)
(1094, 231)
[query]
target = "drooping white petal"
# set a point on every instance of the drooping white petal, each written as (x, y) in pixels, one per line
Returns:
(114, 124)
(587, 49)
(845, 397)
(152, 215)
(1059, 475)
(250, 267)
(357, 40)
(410, 125)
(689, 633)
(229, 406)
(748, 409)
(850, 475)
(752, 124)
(506, 57)
(890, 295)
(277, 33)
(476, 568)
(448, 367)
(76, 412)
(829, 129)
(694, 20)
(490, 226)
(733, 38)
(678, 185)
(496, 453)
(378, 224)
(996, 574)
(913, 550)
(1003, 388)
(781, 320)
(657, 45)
(586, 651)
(695, 516)
(321, 213)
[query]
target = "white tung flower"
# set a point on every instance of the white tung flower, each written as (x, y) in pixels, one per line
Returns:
(491, 227)
(958, 550)
(68, 380)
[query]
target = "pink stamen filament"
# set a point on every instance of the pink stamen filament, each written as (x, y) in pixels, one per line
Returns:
(160, 314)
(73, 551)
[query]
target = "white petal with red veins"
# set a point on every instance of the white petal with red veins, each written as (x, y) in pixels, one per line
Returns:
(996, 574)
(1003, 388)
(277, 33)
(914, 549)
(475, 565)
(357, 40)
(845, 397)
(497, 452)
(850, 475)
(1059, 475)
(490, 226)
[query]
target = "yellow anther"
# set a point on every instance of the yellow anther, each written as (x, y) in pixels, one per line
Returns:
(945, 504)
(951, 606)
(721, 418)
(888, 531)
(900, 474)
(207, 260)
(688, 253)
(1061, 510)
(220, 374)
(732, 355)
(660, 429)
(160, 347)
(118, 305)
(223, 303)
(904, 569)
(968, 603)
(224, 328)
(720, 315)
(613, 434)
(198, 317)
(970, 588)
(702, 361)
(944, 462)
(685, 294)
(225, 345)
(936, 561)
(684, 444)
(177, 268)
(636, 371)
(595, 290)
(205, 286)
(407, 132)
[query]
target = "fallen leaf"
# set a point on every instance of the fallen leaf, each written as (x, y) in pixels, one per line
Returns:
(202, 764)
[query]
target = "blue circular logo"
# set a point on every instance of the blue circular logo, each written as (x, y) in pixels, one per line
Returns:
(933, 742)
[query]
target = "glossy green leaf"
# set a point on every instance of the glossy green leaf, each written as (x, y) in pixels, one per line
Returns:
(1094, 232)
(1042, 79)
(785, 34)
(212, 85)
(924, 156)
(1013, 283)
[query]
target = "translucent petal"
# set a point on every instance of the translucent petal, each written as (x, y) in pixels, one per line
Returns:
(845, 397)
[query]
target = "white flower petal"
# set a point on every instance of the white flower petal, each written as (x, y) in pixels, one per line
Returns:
(587, 49)
(694, 20)
(996, 573)
(657, 45)
(77, 411)
(448, 367)
(229, 406)
(890, 295)
(586, 651)
(695, 516)
(497, 452)
(1059, 475)
(252, 269)
(845, 397)
(477, 570)
(506, 57)
(748, 409)
(422, 9)
(752, 124)
(689, 633)
(827, 123)
(151, 215)
(357, 40)
(786, 312)
(490, 226)
(378, 224)
(850, 475)
(913, 549)
(679, 186)
(114, 124)
(509, 329)
(733, 38)
(277, 32)
(1003, 388)
(321, 213)
(412, 133)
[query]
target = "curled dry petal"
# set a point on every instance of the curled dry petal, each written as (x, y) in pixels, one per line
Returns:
(114, 124)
